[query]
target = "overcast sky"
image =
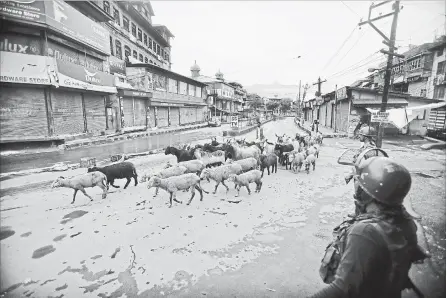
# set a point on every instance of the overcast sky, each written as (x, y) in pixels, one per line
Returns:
(254, 42)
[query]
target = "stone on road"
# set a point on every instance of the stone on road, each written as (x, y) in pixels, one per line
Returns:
(132, 245)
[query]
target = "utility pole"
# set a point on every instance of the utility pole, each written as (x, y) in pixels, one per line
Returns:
(335, 116)
(319, 85)
(390, 42)
(299, 99)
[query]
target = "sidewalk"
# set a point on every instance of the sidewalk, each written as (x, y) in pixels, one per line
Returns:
(327, 132)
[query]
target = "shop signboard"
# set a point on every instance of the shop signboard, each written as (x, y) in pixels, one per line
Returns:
(134, 93)
(67, 20)
(117, 66)
(70, 55)
(234, 121)
(77, 76)
(341, 93)
(31, 11)
(25, 69)
(20, 44)
(380, 117)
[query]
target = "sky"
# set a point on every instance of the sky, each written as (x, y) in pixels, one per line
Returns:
(255, 42)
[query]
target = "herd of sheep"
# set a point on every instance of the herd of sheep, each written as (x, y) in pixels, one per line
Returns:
(237, 161)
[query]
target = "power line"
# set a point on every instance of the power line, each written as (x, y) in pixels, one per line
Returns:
(354, 65)
(360, 37)
(343, 44)
(350, 8)
(352, 71)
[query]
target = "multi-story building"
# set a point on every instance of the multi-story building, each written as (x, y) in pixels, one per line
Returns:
(222, 98)
(55, 77)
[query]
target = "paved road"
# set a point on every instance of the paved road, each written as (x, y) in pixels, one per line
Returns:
(267, 245)
(12, 163)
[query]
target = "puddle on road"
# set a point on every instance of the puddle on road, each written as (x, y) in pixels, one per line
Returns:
(6, 232)
(59, 238)
(43, 251)
(73, 215)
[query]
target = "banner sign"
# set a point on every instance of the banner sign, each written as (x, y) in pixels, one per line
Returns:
(25, 69)
(134, 93)
(20, 44)
(234, 121)
(117, 66)
(73, 56)
(341, 93)
(64, 18)
(33, 11)
(380, 116)
(61, 17)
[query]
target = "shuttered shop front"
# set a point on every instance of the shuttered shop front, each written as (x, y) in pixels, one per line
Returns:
(23, 112)
(128, 111)
(175, 113)
(152, 116)
(140, 111)
(188, 115)
(95, 112)
(162, 117)
(67, 112)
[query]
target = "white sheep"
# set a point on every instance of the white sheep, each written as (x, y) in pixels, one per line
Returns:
(269, 148)
(81, 182)
(310, 160)
(253, 176)
(297, 161)
(221, 173)
(176, 183)
(247, 164)
(314, 149)
(192, 166)
(165, 173)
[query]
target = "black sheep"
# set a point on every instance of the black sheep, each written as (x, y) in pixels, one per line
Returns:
(182, 155)
(283, 148)
(122, 170)
(267, 161)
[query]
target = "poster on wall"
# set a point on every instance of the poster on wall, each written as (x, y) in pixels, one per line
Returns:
(159, 82)
(32, 11)
(20, 44)
(139, 79)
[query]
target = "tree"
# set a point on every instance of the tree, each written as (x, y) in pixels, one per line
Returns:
(286, 104)
(254, 101)
(272, 105)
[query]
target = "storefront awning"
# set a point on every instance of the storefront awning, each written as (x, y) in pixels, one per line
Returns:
(25, 69)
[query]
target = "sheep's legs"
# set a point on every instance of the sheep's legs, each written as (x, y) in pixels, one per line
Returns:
(193, 193)
(259, 185)
(174, 197)
(104, 192)
(313, 166)
(215, 188)
(268, 171)
(238, 190)
(156, 192)
(248, 189)
(135, 179)
(112, 183)
(127, 183)
(74, 196)
(85, 194)
(223, 183)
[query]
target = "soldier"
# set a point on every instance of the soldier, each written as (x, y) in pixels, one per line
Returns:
(372, 253)
(367, 135)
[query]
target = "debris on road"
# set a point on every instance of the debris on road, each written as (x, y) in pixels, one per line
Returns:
(116, 251)
(271, 290)
(220, 213)
(74, 235)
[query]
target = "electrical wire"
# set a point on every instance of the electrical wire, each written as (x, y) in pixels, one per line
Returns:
(356, 42)
(350, 8)
(356, 65)
(342, 45)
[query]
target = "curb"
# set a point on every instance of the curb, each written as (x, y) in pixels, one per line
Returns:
(433, 139)
(233, 133)
(440, 145)
(132, 135)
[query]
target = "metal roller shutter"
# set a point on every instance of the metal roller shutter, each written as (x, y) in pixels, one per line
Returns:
(152, 117)
(128, 112)
(67, 112)
(162, 117)
(23, 112)
(95, 113)
(140, 111)
(175, 113)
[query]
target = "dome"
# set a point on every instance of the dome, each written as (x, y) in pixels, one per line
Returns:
(219, 75)
(195, 67)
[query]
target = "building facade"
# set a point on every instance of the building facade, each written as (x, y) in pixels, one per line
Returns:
(55, 76)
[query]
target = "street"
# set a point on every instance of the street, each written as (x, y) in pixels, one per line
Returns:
(260, 245)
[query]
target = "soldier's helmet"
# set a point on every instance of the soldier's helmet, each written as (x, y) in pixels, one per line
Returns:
(367, 131)
(384, 180)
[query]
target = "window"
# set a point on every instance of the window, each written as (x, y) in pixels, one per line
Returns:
(126, 23)
(173, 85)
(150, 43)
(118, 49)
(134, 54)
(198, 92)
(191, 90)
(162, 53)
(158, 49)
(126, 51)
(106, 6)
(140, 57)
(441, 68)
(439, 53)
(145, 39)
(140, 35)
(111, 45)
(423, 92)
(183, 88)
(439, 92)
(167, 57)
(145, 60)
(421, 115)
(116, 16)
(134, 30)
